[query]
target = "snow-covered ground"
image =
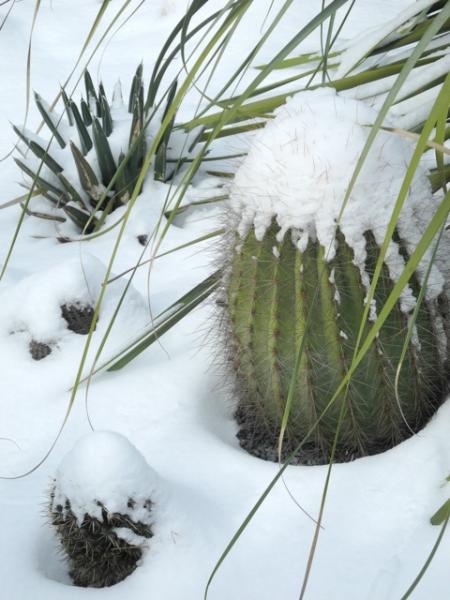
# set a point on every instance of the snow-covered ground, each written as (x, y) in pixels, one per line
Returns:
(170, 401)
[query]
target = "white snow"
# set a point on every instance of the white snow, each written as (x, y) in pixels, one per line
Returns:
(104, 467)
(368, 39)
(300, 166)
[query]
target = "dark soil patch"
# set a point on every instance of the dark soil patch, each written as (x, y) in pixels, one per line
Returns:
(78, 317)
(39, 350)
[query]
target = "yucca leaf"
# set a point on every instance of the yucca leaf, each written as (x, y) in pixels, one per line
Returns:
(91, 94)
(161, 152)
(101, 92)
(66, 102)
(85, 138)
(71, 191)
(39, 151)
(21, 134)
(135, 88)
(80, 218)
(124, 183)
(42, 183)
(86, 113)
(57, 200)
(45, 113)
(43, 155)
(107, 122)
(103, 151)
(88, 178)
(160, 162)
(41, 215)
(20, 199)
(137, 140)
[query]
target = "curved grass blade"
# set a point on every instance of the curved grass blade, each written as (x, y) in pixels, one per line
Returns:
(423, 570)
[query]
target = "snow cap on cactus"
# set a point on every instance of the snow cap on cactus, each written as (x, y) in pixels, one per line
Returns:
(105, 467)
(298, 171)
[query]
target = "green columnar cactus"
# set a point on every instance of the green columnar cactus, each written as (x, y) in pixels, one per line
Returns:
(279, 299)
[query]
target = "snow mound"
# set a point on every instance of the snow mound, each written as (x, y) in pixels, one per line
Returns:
(33, 306)
(298, 171)
(105, 470)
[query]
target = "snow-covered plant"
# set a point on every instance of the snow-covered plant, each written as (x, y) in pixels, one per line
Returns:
(101, 506)
(93, 163)
(300, 266)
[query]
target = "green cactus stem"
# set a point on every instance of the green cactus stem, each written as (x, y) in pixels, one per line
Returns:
(279, 299)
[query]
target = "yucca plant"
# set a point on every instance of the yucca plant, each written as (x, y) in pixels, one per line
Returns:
(105, 177)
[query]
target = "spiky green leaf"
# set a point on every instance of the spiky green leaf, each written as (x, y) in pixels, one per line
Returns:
(49, 121)
(86, 113)
(107, 122)
(66, 102)
(85, 138)
(88, 178)
(42, 183)
(104, 155)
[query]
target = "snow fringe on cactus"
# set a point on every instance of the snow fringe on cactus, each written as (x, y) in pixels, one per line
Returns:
(296, 277)
(102, 505)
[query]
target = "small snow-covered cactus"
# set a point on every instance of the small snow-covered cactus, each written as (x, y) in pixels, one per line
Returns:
(101, 505)
(296, 284)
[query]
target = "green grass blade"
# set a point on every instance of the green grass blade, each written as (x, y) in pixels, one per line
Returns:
(167, 320)
(428, 561)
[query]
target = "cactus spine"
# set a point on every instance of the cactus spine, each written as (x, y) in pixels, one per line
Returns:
(279, 299)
